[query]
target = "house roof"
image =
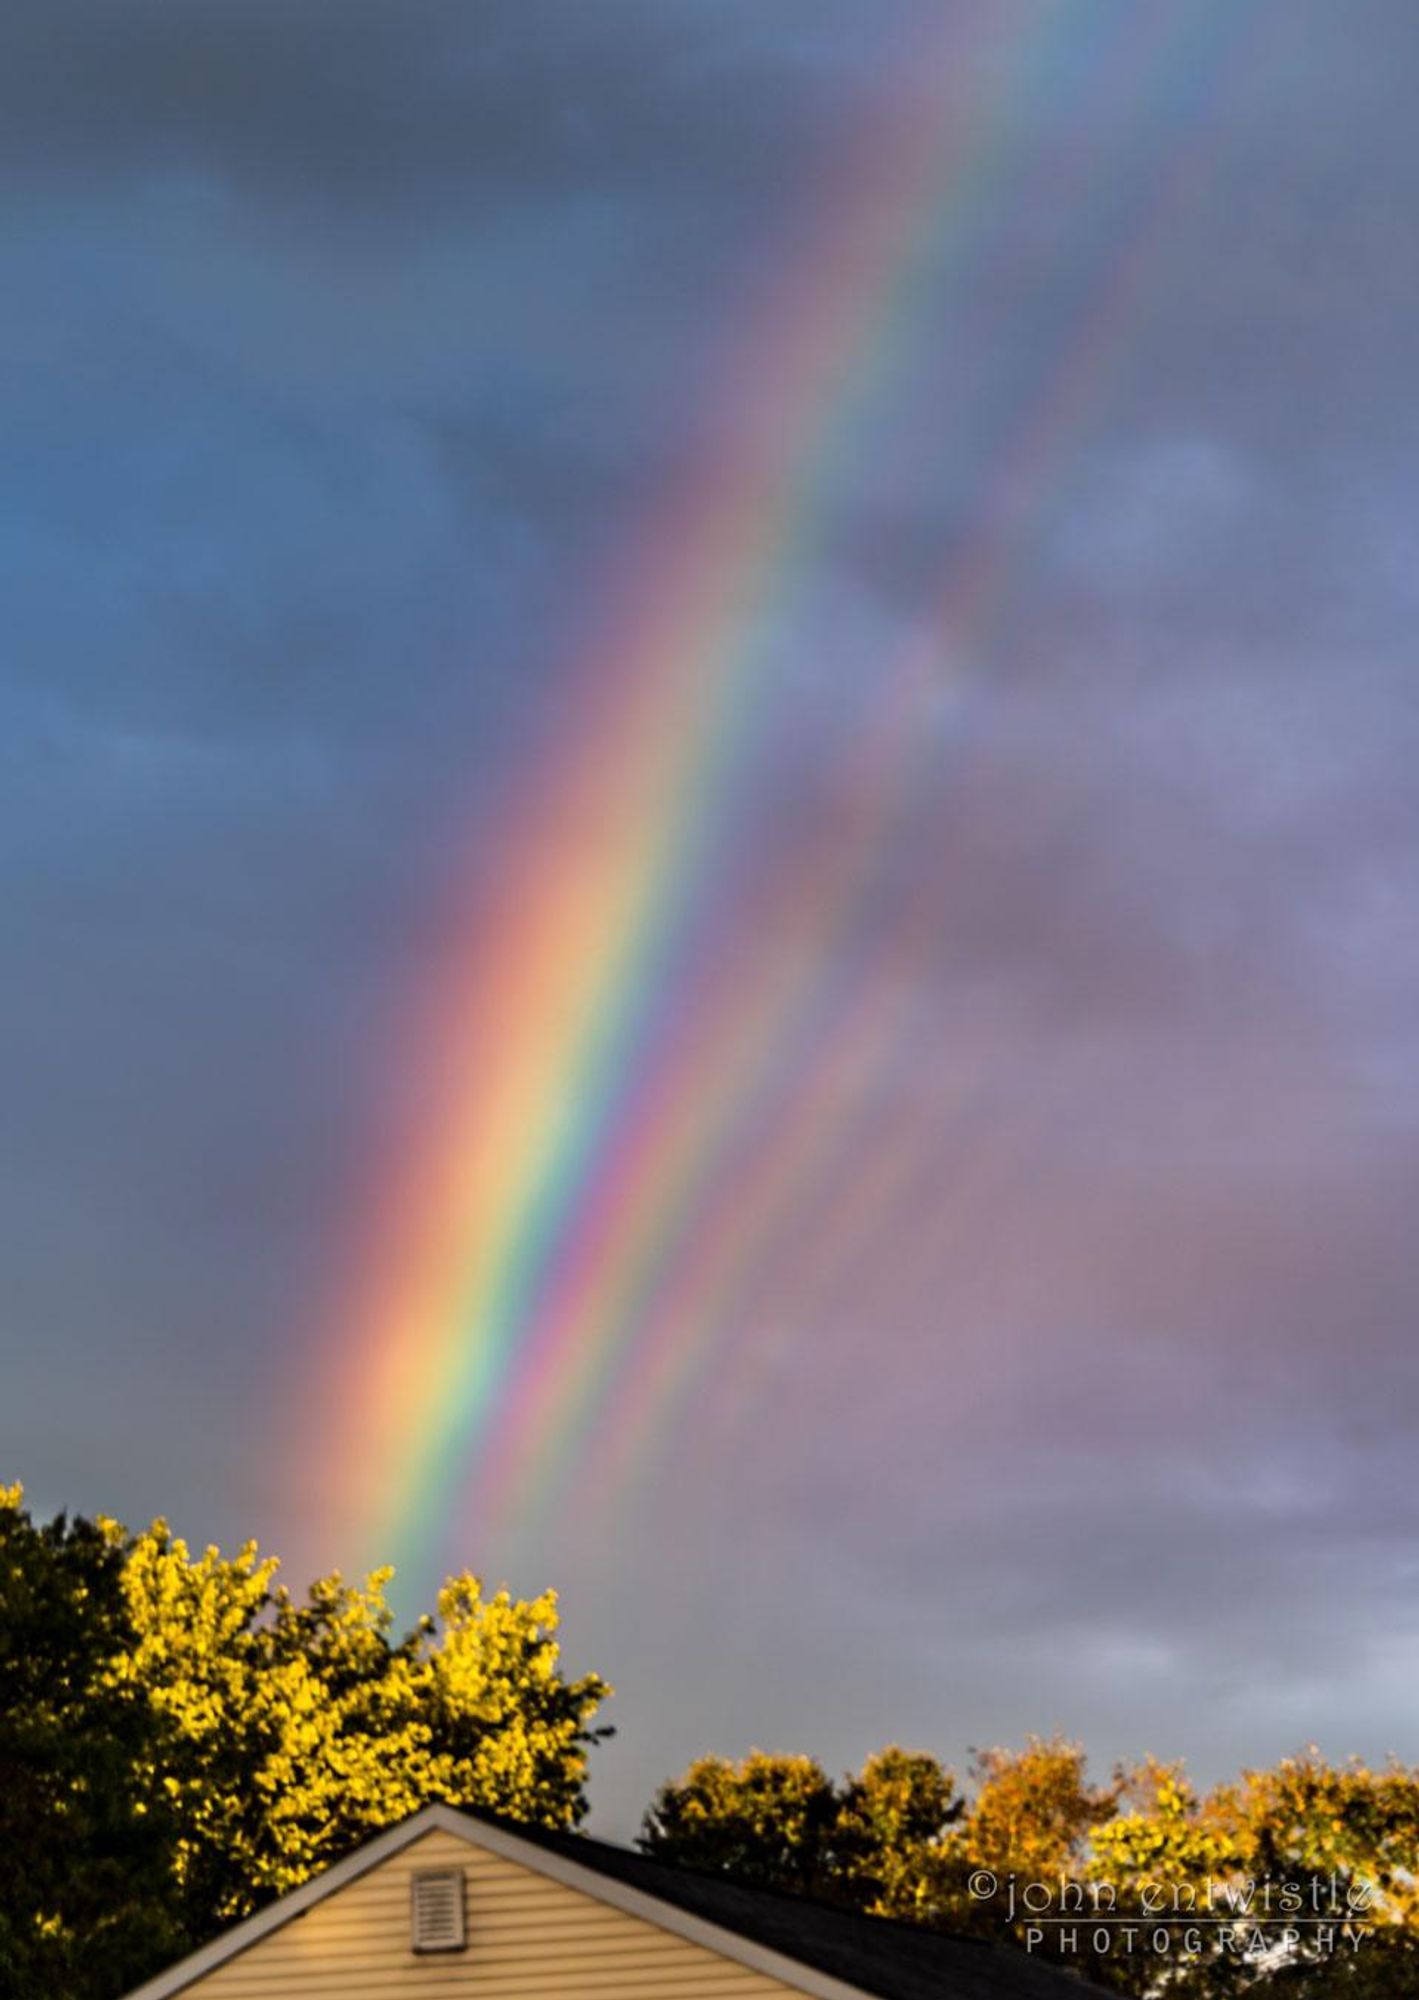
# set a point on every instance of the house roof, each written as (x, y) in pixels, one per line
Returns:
(830, 1954)
(895, 1961)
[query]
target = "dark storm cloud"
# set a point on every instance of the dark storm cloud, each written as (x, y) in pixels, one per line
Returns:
(277, 290)
(385, 118)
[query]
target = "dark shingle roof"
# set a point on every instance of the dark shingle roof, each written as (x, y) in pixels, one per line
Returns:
(893, 1960)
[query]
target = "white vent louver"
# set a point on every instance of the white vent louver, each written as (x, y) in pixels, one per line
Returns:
(436, 1910)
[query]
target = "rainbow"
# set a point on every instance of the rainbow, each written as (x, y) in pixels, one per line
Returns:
(633, 1117)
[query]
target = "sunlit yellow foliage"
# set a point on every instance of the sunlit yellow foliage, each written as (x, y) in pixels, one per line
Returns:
(1033, 1810)
(896, 1840)
(295, 1727)
(875, 1842)
(897, 1852)
(1347, 1834)
(239, 1737)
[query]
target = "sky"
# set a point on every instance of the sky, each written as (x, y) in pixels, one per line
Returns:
(708, 840)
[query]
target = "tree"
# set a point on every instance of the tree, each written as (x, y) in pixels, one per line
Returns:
(83, 1904)
(1337, 1844)
(295, 1728)
(1033, 1811)
(191, 1740)
(766, 1821)
(1202, 1879)
(894, 1838)
(779, 1822)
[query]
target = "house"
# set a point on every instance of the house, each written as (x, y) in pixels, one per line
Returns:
(463, 1907)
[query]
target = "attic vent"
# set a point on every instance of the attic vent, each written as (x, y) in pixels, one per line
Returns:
(436, 1910)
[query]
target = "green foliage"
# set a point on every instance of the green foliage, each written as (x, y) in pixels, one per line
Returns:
(192, 1740)
(1336, 1835)
(895, 1840)
(83, 1907)
(895, 1849)
(779, 1822)
(766, 1821)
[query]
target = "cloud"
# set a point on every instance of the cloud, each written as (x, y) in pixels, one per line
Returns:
(346, 358)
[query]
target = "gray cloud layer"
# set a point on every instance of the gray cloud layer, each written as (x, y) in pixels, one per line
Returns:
(344, 350)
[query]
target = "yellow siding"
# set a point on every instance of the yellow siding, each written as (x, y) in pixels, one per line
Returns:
(528, 1939)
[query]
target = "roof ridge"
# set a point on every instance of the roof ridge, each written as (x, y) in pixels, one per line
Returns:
(574, 1839)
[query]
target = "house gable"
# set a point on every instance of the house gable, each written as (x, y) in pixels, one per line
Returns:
(537, 1924)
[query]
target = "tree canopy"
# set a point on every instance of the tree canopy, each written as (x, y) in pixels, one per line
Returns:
(898, 1840)
(85, 1837)
(191, 1739)
(780, 1822)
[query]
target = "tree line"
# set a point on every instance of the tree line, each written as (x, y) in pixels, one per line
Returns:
(182, 1740)
(1300, 1879)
